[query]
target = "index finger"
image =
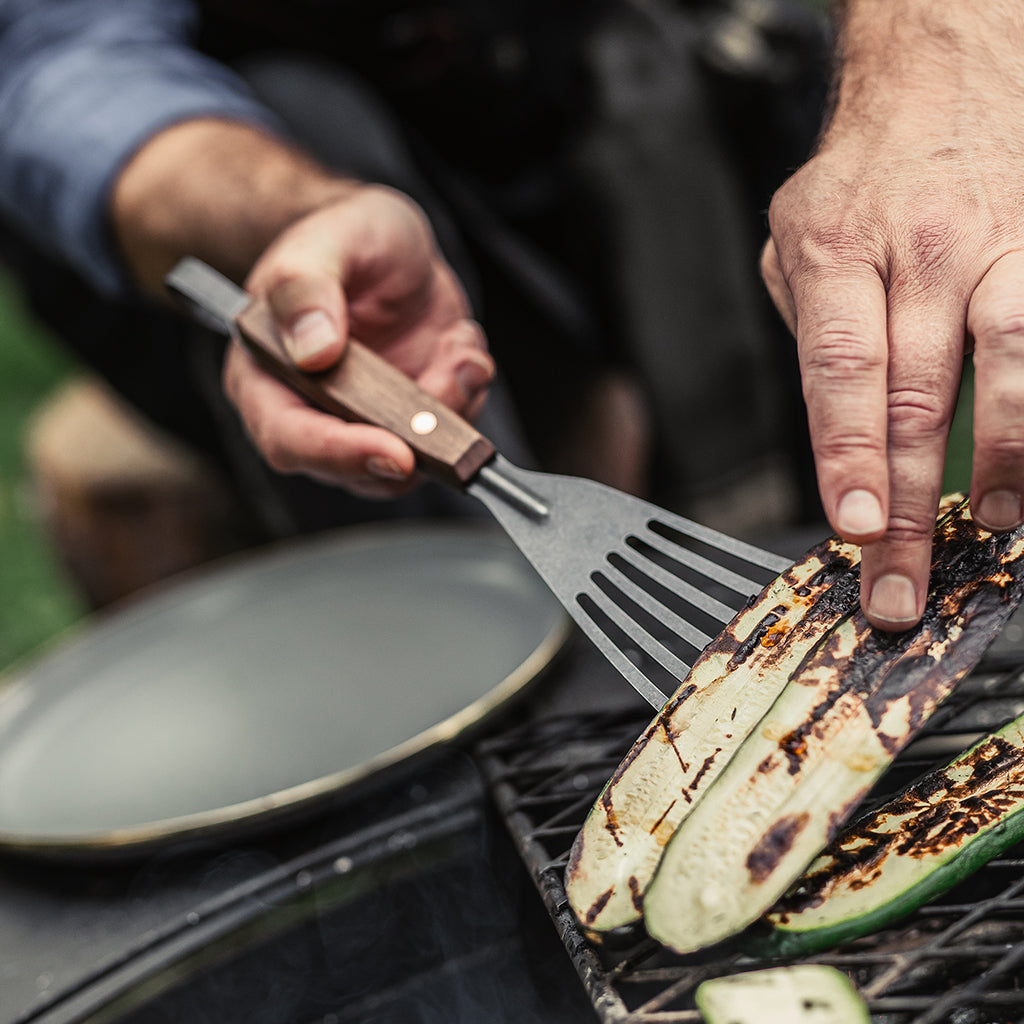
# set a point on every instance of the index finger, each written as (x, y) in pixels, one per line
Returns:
(843, 350)
(926, 346)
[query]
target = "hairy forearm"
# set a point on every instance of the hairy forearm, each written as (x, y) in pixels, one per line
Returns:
(909, 58)
(894, 246)
(951, 23)
(218, 190)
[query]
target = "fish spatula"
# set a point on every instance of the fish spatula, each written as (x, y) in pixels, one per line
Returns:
(648, 587)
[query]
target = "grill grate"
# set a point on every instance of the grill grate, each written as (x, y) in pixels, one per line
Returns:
(958, 960)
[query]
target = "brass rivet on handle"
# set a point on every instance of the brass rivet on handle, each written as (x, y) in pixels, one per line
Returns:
(423, 422)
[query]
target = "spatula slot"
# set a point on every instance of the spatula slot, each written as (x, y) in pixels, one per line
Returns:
(668, 606)
(738, 567)
(667, 632)
(624, 651)
(691, 576)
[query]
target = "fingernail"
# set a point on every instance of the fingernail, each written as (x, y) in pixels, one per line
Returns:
(859, 513)
(893, 599)
(472, 377)
(385, 468)
(999, 510)
(310, 335)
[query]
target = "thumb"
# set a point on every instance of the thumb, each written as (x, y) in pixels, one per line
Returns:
(309, 312)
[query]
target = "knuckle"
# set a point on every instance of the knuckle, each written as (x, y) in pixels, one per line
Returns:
(909, 239)
(917, 412)
(790, 204)
(474, 336)
(1001, 326)
(278, 456)
(817, 232)
(331, 455)
(268, 441)
(280, 278)
(841, 352)
(771, 269)
(822, 249)
(1000, 449)
(931, 239)
(852, 447)
(931, 242)
(292, 290)
(908, 531)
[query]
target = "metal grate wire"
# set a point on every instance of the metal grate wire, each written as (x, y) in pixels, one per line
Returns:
(958, 960)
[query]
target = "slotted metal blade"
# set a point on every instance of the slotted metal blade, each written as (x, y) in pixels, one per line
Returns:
(572, 531)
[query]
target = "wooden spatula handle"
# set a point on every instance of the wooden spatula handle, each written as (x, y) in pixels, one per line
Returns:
(365, 388)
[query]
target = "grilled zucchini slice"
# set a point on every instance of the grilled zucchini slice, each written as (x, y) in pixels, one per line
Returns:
(854, 703)
(921, 843)
(803, 994)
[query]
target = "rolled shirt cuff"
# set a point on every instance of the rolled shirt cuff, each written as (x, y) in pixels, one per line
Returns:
(72, 131)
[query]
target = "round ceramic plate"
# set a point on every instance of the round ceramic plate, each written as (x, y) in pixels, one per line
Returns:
(268, 683)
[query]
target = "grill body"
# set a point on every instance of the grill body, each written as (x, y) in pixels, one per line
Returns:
(958, 960)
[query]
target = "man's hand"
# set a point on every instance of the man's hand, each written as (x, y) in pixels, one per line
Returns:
(900, 244)
(365, 265)
(333, 258)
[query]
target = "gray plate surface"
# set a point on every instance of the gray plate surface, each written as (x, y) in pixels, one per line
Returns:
(266, 683)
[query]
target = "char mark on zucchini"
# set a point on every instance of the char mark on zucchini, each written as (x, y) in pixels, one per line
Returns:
(774, 844)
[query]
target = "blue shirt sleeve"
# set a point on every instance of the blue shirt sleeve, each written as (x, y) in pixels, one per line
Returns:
(83, 84)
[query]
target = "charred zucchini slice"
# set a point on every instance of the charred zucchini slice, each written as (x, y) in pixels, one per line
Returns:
(727, 691)
(856, 700)
(933, 835)
(804, 994)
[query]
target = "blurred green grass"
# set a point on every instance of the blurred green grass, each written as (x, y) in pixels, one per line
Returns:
(37, 601)
(958, 453)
